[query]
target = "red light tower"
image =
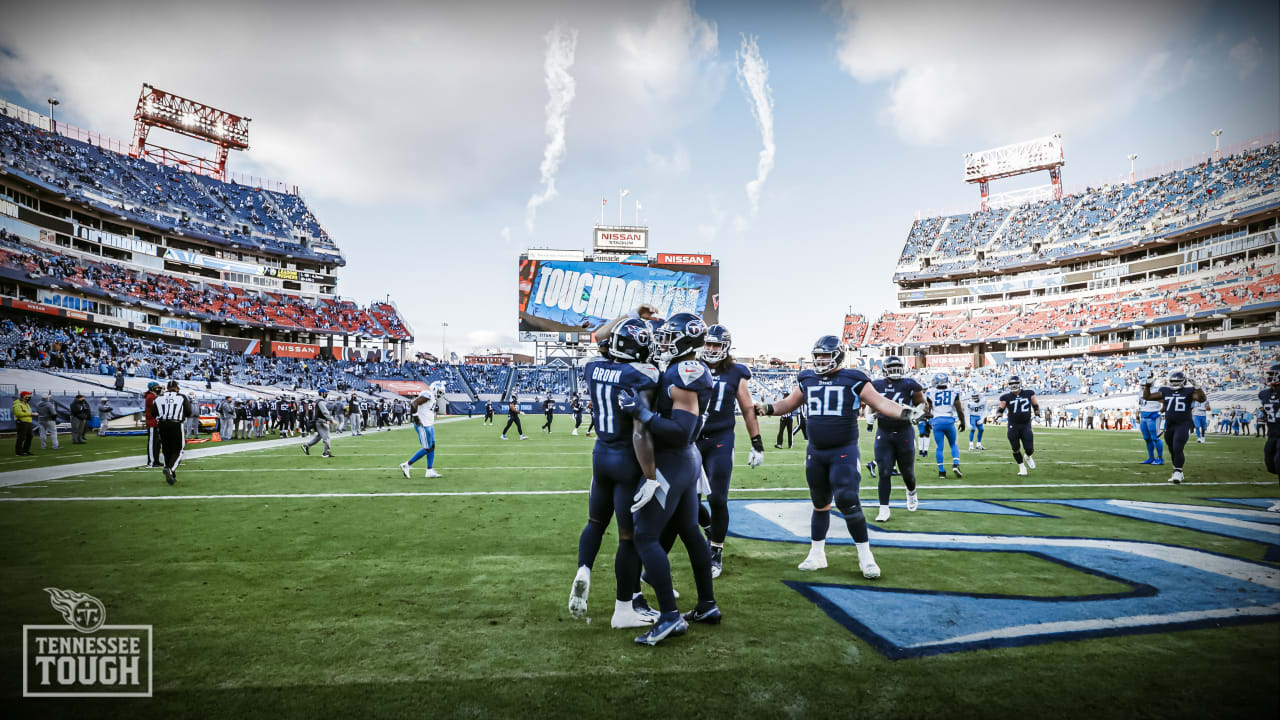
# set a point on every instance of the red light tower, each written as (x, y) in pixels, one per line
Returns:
(157, 108)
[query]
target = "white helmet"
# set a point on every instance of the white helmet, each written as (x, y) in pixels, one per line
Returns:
(438, 387)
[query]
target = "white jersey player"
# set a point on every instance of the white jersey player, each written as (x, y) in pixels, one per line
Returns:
(424, 410)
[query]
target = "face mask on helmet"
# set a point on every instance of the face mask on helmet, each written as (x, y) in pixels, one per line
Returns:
(1177, 380)
(1273, 375)
(894, 369)
(713, 352)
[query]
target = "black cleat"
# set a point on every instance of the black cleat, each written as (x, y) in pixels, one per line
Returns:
(327, 454)
(942, 475)
(708, 617)
(306, 450)
(956, 470)
(169, 476)
(871, 467)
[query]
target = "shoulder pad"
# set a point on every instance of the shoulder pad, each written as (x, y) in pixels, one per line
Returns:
(806, 373)
(690, 371)
(746, 371)
(648, 370)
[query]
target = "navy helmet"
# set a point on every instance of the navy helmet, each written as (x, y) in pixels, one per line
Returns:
(719, 342)
(1177, 379)
(1273, 374)
(894, 368)
(631, 342)
(828, 354)
(1015, 384)
(682, 334)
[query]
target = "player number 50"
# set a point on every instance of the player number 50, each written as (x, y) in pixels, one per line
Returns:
(828, 400)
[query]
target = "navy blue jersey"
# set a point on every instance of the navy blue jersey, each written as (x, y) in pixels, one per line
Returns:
(605, 381)
(1177, 404)
(901, 391)
(1270, 411)
(833, 403)
(692, 375)
(724, 398)
(1018, 405)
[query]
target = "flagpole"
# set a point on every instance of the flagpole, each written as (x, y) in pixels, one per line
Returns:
(620, 195)
(602, 204)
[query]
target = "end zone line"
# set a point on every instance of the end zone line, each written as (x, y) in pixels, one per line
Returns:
(476, 493)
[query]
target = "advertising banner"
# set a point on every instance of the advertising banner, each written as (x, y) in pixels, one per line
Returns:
(963, 360)
(294, 350)
(401, 387)
(576, 296)
(681, 259)
(243, 346)
(621, 238)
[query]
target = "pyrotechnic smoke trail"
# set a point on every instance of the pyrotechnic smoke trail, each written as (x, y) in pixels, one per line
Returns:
(561, 44)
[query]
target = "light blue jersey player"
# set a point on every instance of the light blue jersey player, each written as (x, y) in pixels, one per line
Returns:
(1149, 423)
(1200, 419)
(424, 409)
(977, 409)
(945, 404)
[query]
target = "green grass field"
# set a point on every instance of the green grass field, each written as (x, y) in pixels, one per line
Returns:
(321, 594)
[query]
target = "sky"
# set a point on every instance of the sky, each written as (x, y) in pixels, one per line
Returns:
(795, 142)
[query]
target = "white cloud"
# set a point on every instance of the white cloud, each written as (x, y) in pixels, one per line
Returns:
(1007, 69)
(561, 44)
(384, 101)
(1246, 55)
(753, 76)
(506, 235)
(677, 163)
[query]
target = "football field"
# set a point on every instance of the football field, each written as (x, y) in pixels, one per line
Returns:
(278, 583)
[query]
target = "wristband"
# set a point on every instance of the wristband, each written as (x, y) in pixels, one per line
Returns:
(757, 444)
(768, 409)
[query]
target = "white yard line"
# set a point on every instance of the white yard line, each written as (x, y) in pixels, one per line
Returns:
(476, 493)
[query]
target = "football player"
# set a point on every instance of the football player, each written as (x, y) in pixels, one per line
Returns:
(894, 439)
(715, 443)
(424, 410)
(1022, 405)
(977, 409)
(575, 406)
(1269, 413)
(1200, 419)
(944, 403)
(670, 495)
(1177, 397)
(1149, 423)
(833, 394)
(616, 472)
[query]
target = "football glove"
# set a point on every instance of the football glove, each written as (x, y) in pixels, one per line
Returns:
(646, 492)
(635, 404)
(914, 413)
(756, 457)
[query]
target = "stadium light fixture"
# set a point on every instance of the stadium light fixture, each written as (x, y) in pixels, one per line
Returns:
(1132, 157)
(1217, 144)
(53, 126)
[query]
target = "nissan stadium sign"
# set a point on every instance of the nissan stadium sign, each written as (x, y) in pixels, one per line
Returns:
(614, 239)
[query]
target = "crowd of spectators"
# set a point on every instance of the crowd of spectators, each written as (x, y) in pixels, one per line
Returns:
(206, 300)
(1097, 219)
(161, 196)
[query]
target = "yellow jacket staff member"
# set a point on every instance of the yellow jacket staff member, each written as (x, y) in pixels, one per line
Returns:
(22, 419)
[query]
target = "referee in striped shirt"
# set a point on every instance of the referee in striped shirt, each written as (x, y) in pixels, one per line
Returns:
(171, 409)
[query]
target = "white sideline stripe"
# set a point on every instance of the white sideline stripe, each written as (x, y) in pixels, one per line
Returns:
(57, 472)
(476, 493)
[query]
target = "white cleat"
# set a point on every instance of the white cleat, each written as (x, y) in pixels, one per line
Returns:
(575, 431)
(1275, 507)
(431, 473)
(970, 446)
(625, 616)
(524, 437)
(913, 502)
(870, 570)
(578, 593)
(1177, 477)
(404, 468)
(1022, 472)
(503, 437)
(980, 447)
(1031, 463)
(814, 561)
(883, 515)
